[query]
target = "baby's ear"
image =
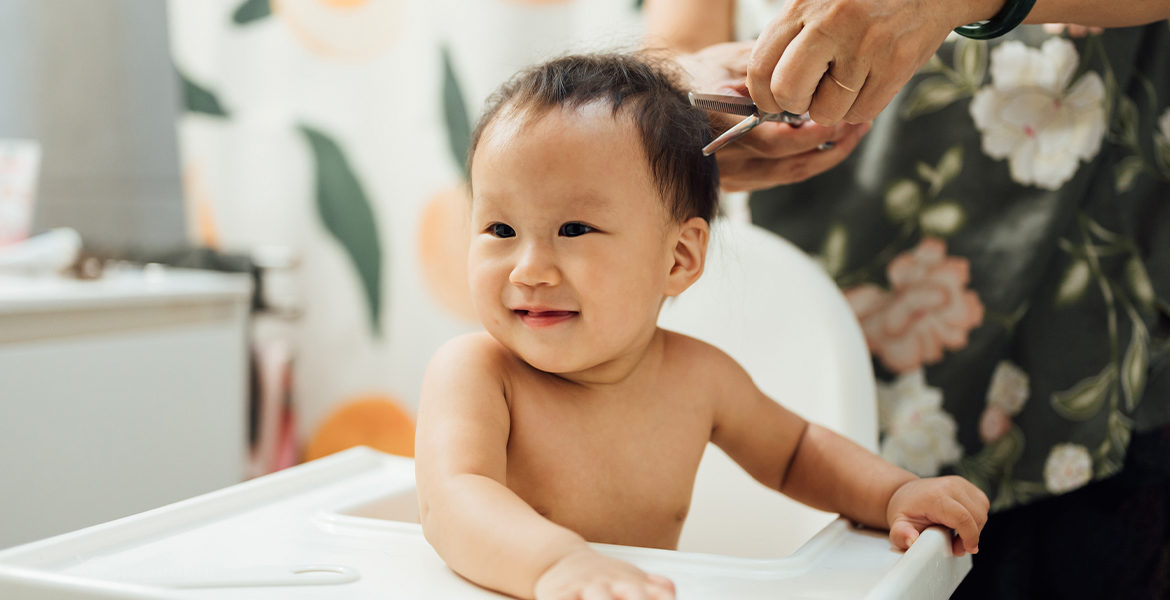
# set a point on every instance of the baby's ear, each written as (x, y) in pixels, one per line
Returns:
(690, 254)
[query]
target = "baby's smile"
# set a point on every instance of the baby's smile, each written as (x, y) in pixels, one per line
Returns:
(544, 317)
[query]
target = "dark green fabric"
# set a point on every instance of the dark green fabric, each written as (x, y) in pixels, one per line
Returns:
(1074, 281)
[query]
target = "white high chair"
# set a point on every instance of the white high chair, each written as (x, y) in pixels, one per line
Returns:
(345, 526)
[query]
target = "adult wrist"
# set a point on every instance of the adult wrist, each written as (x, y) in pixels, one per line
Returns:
(1010, 16)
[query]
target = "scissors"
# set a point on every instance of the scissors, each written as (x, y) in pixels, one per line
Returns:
(739, 105)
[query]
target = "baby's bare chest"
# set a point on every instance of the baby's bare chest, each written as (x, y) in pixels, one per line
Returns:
(615, 474)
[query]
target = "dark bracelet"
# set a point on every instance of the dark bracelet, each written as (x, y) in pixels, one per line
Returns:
(1013, 13)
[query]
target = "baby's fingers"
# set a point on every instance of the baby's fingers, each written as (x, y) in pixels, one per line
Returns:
(662, 588)
(649, 590)
(903, 533)
(955, 515)
(597, 591)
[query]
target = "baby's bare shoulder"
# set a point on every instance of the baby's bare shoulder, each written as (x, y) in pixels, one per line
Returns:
(473, 351)
(686, 350)
(467, 358)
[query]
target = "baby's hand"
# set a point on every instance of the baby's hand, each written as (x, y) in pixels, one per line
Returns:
(950, 501)
(589, 575)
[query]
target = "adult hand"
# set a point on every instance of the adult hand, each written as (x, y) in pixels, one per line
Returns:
(846, 59)
(773, 153)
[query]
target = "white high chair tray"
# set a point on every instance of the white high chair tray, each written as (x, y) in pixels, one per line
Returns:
(331, 520)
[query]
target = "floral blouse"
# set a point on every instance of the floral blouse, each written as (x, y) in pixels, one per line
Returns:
(1003, 235)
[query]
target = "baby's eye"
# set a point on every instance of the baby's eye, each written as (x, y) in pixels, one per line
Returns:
(501, 230)
(575, 229)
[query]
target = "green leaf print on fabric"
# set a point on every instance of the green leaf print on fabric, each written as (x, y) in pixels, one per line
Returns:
(993, 461)
(971, 62)
(953, 83)
(942, 219)
(903, 200)
(1139, 283)
(1083, 400)
(346, 213)
(835, 249)
(1125, 173)
(250, 11)
(198, 99)
(1125, 122)
(455, 114)
(931, 95)
(1076, 281)
(1135, 365)
(1162, 144)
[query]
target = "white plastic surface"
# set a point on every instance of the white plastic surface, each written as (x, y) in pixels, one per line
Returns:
(317, 513)
(769, 306)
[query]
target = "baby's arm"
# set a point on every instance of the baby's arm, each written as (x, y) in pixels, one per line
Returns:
(833, 473)
(827, 471)
(481, 528)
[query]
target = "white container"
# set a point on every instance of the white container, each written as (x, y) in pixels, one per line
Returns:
(118, 395)
(330, 520)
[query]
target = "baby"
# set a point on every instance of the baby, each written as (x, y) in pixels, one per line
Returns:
(574, 418)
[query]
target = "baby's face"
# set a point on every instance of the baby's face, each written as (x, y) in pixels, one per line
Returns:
(571, 242)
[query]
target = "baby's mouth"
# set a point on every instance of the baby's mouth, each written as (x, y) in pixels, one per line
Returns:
(542, 318)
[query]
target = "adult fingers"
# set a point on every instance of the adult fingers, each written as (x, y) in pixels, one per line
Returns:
(799, 70)
(769, 47)
(881, 85)
(778, 140)
(754, 173)
(836, 93)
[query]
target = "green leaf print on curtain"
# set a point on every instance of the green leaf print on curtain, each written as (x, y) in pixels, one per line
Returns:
(251, 10)
(346, 213)
(455, 114)
(198, 99)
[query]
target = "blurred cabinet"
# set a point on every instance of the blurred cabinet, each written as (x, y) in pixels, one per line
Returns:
(118, 395)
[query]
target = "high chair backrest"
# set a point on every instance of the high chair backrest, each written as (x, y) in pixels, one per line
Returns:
(772, 308)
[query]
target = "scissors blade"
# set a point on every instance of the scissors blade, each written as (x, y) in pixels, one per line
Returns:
(731, 135)
(724, 103)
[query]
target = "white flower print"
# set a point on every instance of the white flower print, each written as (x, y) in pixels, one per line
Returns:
(919, 434)
(1009, 388)
(1068, 467)
(1030, 115)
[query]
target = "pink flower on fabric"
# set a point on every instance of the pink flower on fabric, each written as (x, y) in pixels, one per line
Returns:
(993, 424)
(928, 309)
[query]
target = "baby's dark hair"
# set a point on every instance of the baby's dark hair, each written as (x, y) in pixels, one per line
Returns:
(672, 131)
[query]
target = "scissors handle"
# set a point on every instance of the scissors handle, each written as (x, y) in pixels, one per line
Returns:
(731, 135)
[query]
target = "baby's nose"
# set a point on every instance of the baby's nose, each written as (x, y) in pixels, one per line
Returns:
(535, 266)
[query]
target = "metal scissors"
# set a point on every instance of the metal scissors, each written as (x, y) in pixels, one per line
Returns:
(739, 105)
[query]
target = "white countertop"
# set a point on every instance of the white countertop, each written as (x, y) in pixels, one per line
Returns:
(156, 285)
